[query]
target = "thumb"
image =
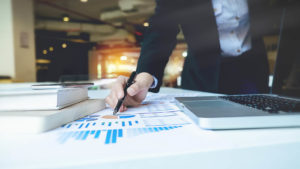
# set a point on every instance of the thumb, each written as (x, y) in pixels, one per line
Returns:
(142, 82)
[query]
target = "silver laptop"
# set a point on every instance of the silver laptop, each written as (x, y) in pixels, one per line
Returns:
(281, 108)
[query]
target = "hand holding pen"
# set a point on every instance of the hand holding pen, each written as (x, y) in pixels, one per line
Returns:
(128, 84)
(135, 93)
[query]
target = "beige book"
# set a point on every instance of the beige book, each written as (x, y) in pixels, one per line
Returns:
(44, 120)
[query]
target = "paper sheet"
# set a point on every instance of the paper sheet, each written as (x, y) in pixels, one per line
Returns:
(156, 129)
(151, 117)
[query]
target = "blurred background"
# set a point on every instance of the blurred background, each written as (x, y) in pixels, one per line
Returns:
(80, 40)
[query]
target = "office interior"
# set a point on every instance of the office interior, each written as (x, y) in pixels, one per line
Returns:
(50, 41)
(90, 40)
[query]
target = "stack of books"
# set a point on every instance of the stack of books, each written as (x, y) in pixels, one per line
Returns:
(34, 111)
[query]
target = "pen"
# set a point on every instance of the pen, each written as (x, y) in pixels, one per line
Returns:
(120, 101)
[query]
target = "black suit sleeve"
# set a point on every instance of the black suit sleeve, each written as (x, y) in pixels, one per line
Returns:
(159, 41)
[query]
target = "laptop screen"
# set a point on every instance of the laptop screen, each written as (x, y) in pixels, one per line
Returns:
(287, 70)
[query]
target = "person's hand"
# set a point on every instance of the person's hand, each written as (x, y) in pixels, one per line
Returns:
(136, 93)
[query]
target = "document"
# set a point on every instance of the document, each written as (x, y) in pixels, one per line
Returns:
(150, 117)
(129, 124)
(156, 129)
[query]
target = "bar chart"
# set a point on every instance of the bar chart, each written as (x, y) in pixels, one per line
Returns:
(110, 136)
(144, 130)
(103, 127)
(102, 124)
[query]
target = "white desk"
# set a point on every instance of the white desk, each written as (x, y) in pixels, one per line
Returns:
(247, 149)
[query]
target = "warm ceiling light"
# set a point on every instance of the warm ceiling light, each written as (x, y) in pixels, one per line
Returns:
(45, 52)
(123, 58)
(66, 18)
(184, 54)
(83, 1)
(43, 61)
(51, 49)
(64, 45)
(146, 24)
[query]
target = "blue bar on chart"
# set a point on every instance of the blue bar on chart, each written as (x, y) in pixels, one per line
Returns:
(79, 135)
(88, 118)
(144, 130)
(108, 137)
(97, 135)
(151, 130)
(120, 133)
(126, 116)
(93, 115)
(111, 136)
(85, 135)
(114, 136)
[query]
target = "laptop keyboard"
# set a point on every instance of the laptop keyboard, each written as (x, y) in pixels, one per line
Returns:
(270, 104)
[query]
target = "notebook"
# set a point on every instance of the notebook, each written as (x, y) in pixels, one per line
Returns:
(28, 99)
(43, 120)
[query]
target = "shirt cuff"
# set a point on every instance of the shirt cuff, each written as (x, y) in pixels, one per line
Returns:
(154, 84)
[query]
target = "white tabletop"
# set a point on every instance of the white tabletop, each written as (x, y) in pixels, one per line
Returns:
(189, 147)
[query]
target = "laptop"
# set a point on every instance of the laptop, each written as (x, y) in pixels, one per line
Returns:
(281, 108)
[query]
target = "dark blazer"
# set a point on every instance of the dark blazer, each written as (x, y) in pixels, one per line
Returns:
(197, 21)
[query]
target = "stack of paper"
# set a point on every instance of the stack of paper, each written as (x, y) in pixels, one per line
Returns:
(28, 99)
(42, 110)
(39, 121)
